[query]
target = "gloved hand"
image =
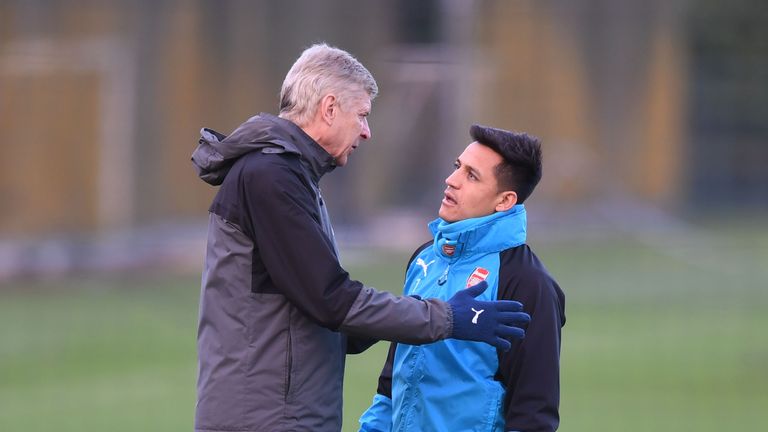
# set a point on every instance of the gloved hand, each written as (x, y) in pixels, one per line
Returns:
(491, 322)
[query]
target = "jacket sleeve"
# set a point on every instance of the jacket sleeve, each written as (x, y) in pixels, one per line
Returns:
(301, 262)
(372, 312)
(378, 417)
(530, 371)
(356, 345)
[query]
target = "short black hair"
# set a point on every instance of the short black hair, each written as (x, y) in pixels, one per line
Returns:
(520, 169)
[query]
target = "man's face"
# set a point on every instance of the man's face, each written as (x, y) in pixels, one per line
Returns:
(472, 187)
(349, 127)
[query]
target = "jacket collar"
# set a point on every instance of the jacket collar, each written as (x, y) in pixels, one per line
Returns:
(216, 152)
(313, 156)
(493, 233)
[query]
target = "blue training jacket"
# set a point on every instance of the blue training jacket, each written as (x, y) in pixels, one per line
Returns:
(455, 385)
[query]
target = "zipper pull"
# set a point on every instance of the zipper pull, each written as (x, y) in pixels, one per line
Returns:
(444, 277)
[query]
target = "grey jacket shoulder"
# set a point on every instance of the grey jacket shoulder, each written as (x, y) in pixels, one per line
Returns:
(216, 153)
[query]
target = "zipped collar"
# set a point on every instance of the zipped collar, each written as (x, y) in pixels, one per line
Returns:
(493, 233)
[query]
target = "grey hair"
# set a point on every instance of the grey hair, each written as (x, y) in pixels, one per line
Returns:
(320, 70)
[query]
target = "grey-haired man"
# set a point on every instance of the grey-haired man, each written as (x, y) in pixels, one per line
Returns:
(278, 313)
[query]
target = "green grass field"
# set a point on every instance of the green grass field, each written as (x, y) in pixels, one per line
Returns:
(666, 338)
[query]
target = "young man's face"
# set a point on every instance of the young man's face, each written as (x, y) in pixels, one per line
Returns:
(472, 187)
(349, 127)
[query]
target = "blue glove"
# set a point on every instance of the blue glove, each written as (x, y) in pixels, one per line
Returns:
(491, 322)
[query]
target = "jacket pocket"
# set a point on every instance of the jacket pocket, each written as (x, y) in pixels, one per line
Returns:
(269, 365)
(288, 359)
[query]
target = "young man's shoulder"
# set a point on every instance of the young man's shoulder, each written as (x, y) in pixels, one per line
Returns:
(521, 270)
(524, 261)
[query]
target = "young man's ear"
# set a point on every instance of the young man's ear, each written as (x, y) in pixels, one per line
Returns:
(329, 105)
(508, 200)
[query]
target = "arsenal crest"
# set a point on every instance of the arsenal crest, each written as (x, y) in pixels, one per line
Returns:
(480, 274)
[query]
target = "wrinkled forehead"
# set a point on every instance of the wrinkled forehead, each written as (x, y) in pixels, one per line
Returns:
(357, 99)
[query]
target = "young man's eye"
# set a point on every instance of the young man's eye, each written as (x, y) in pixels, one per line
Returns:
(472, 176)
(456, 165)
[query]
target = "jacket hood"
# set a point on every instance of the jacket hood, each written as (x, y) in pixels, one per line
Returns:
(493, 233)
(216, 152)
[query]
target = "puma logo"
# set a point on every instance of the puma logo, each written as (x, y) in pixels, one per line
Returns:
(477, 314)
(424, 265)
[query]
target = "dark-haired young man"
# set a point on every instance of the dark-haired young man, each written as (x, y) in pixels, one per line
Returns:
(480, 236)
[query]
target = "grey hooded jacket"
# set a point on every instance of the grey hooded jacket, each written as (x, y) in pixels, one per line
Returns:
(278, 313)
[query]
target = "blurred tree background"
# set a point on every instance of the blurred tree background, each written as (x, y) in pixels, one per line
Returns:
(651, 213)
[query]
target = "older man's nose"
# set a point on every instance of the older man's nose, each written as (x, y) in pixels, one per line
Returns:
(366, 132)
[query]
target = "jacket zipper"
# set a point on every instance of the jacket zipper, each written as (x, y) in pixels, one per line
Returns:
(444, 277)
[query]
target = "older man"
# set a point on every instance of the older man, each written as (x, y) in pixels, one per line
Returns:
(277, 312)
